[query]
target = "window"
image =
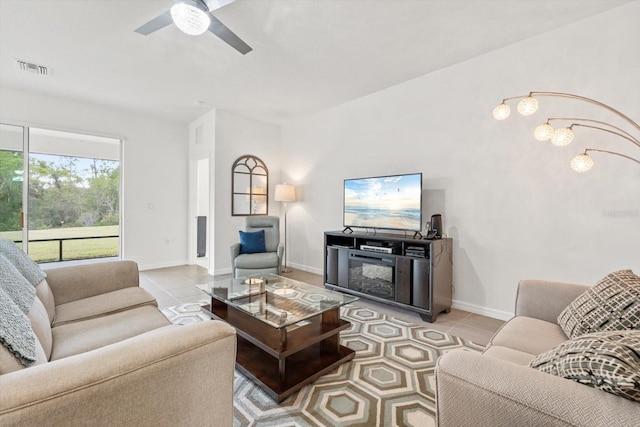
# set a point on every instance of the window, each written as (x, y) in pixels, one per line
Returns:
(68, 206)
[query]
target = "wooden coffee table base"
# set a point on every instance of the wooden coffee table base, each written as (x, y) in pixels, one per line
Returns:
(282, 361)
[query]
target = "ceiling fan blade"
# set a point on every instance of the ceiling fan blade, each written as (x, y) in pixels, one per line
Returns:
(224, 33)
(216, 4)
(155, 24)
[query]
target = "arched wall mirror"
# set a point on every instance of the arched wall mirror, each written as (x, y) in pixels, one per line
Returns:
(249, 187)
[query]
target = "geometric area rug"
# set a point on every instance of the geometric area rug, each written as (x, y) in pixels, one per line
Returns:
(390, 381)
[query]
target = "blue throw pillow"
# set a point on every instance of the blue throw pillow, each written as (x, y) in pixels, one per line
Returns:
(252, 242)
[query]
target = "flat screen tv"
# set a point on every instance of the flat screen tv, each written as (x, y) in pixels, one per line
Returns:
(388, 202)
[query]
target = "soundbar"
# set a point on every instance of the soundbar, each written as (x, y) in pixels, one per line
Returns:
(379, 249)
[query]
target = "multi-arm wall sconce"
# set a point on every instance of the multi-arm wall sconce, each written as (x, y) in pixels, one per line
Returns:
(564, 135)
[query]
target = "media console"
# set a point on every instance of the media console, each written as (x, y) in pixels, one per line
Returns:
(411, 273)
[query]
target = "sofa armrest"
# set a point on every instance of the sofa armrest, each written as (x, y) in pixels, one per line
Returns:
(477, 390)
(545, 300)
(176, 375)
(83, 281)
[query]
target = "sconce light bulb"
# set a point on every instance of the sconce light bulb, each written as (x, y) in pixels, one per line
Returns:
(527, 106)
(582, 163)
(543, 132)
(562, 137)
(501, 112)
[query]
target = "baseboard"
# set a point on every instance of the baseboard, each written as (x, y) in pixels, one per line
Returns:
(162, 265)
(484, 311)
(318, 271)
(219, 271)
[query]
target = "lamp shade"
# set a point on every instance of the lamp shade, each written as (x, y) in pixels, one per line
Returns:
(501, 112)
(285, 193)
(543, 132)
(527, 106)
(581, 163)
(562, 137)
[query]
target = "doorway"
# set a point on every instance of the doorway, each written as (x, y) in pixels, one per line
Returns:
(202, 213)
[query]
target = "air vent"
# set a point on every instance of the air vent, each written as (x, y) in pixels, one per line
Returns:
(32, 68)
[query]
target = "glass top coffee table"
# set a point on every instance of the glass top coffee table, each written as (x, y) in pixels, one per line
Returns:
(288, 331)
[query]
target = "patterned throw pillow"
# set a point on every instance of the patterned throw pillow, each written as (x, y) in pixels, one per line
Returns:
(613, 304)
(609, 361)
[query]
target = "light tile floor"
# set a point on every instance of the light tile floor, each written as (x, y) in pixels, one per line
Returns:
(175, 285)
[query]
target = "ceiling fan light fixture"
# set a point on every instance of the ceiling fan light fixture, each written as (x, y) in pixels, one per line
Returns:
(190, 17)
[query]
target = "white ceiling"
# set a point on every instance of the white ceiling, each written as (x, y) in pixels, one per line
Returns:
(308, 55)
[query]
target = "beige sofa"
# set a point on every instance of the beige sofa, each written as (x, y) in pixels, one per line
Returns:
(106, 355)
(497, 388)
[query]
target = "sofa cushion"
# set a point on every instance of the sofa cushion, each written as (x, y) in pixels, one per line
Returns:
(76, 282)
(256, 261)
(252, 242)
(608, 361)
(101, 305)
(528, 335)
(43, 292)
(510, 355)
(86, 335)
(612, 304)
(41, 327)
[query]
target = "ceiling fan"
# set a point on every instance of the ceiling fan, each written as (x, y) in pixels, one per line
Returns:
(194, 17)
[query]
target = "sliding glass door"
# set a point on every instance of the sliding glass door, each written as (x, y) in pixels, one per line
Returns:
(12, 183)
(67, 204)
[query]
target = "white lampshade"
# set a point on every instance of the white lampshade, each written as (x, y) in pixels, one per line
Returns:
(190, 17)
(501, 112)
(582, 163)
(527, 106)
(285, 193)
(543, 132)
(562, 137)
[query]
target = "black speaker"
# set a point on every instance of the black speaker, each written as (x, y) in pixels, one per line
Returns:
(436, 226)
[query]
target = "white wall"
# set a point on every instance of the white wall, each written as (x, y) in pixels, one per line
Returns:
(512, 205)
(202, 139)
(236, 136)
(225, 136)
(154, 169)
(202, 188)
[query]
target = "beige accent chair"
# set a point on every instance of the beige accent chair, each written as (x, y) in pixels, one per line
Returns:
(497, 388)
(259, 263)
(107, 356)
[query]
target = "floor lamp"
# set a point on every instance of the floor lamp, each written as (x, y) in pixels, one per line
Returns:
(285, 193)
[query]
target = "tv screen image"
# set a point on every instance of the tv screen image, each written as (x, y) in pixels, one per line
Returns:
(388, 202)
